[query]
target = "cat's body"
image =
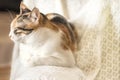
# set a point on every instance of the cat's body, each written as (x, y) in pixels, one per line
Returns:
(44, 39)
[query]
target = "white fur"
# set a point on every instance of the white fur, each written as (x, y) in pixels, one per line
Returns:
(43, 47)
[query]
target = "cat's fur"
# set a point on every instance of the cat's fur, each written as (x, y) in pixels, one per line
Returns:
(44, 39)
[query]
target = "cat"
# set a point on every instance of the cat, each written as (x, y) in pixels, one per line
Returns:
(44, 39)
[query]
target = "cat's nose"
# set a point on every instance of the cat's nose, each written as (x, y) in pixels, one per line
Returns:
(10, 35)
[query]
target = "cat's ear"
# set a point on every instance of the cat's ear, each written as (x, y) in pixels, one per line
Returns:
(23, 8)
(35, 14)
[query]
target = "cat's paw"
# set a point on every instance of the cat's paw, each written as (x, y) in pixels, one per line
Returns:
(29, 61)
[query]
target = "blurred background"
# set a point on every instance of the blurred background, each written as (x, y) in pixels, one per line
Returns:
(8, 10)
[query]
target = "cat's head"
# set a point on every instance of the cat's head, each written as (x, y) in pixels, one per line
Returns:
(24, 23)
(31, 26)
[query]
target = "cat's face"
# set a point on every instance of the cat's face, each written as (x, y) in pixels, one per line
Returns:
(24, 23)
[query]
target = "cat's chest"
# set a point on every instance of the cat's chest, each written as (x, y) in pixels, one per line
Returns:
(43, 49)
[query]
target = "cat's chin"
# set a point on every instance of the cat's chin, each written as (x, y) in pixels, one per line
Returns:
(17, 39)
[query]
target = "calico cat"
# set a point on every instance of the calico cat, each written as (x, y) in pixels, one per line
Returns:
(44, 39)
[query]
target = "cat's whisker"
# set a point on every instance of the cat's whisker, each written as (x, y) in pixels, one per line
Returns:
(11, 15)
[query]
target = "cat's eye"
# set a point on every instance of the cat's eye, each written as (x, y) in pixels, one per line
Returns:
(20, 30)
(16, 31)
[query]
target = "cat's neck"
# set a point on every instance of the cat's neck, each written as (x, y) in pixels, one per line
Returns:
(43, 36)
